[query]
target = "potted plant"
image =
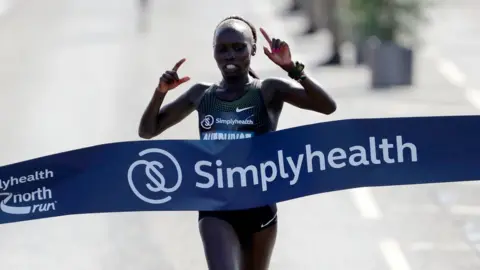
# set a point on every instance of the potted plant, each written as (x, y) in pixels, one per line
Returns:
(384, 33)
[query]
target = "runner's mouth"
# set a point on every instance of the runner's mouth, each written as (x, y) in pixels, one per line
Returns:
(231, 68)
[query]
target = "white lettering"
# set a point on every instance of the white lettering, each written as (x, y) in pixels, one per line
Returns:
(332, 157)
(40, 194)
(243, 175)
(198, 170)
(227, 135)
(362, 154)
(401, 146)
(267, 179)
(43, 207)
(283, 173)
(385, 146)
(36, 176)
(295, 168)
(310, 156)
(266, 172)
(219, 174)
(373, 151)
(232, 122)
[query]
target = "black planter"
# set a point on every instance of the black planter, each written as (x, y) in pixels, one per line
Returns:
(390, 64)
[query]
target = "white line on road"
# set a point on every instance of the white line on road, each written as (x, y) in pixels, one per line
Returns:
(365, 203)
(451, 72)
(448, 247)
(454, 75)
(470, 183)
(416, 208)
(466, 210)
(4, 6)
(473, 95)
(394, 255)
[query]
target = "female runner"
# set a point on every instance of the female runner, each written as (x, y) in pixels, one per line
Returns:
(241, 239)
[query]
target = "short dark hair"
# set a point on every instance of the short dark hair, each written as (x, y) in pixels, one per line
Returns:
(254, 33)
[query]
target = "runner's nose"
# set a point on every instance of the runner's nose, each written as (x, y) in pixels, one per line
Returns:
(230, 56)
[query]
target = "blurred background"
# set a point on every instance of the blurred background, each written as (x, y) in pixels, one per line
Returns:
(77, 73)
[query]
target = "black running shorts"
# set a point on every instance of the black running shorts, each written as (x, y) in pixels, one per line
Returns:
(246, 221)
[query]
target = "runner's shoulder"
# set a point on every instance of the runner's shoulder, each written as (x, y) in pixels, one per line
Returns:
(197, 91)
(274, 83)
(272, 86)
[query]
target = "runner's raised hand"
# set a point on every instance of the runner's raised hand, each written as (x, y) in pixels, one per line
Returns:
(170, 79)
(279, 51)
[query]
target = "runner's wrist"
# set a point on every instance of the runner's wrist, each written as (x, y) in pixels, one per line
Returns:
(160, 91)
(295, 71)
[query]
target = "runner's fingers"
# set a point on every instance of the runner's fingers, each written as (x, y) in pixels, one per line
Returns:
(169, 79)
(179, 64)
(173, 74)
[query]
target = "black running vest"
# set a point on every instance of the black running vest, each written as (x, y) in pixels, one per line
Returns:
(242, 118)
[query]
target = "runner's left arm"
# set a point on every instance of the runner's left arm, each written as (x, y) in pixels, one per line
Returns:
(307, 94)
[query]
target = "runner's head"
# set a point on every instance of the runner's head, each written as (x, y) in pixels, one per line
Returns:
(234, 44)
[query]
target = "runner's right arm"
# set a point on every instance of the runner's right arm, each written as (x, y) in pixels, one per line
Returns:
(155, 120)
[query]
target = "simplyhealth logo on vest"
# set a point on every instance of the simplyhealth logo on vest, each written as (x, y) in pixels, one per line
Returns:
(227, 125)
(281, 167)
(38, 200)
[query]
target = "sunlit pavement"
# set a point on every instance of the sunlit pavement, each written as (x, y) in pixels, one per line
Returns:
(78, 73)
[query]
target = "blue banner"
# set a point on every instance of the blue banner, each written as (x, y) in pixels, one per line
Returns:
(178, 175)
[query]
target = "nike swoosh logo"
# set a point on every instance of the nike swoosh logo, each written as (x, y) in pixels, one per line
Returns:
(243, 109)
(270, 221)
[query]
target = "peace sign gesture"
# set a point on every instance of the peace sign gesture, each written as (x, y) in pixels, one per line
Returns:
(280, 52)
(170, 80)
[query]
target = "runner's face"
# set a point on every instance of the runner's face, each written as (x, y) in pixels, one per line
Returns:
(233, 47)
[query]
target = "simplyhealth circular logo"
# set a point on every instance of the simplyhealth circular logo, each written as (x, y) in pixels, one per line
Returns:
(152, 175)
(207, 122)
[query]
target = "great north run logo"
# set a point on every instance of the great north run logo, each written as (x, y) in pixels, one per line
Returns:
(23, 203)
(28, 203)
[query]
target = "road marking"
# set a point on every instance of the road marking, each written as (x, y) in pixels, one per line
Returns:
(470, 183)
(393, 255)
(417, 208)
(454, 75)
(473, 95)
(365, 202)
(4, 6)
(466, 210)
(451, 72)
(449, 247)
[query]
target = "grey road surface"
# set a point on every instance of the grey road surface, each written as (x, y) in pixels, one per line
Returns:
(79, 73)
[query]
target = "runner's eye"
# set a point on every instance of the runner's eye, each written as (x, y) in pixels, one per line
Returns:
(220, 48)
(239, 46)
